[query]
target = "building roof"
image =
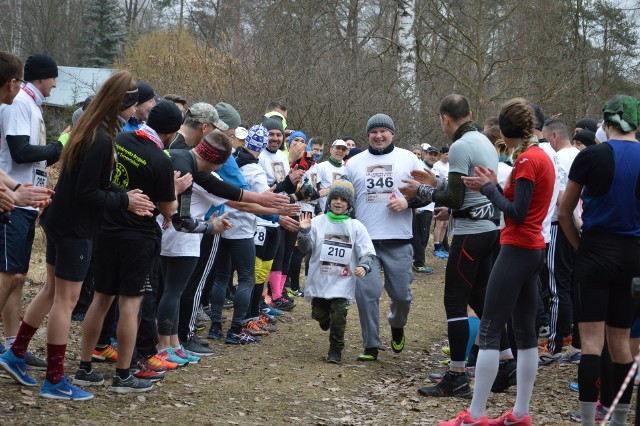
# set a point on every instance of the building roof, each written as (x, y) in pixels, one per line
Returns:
(74, 84)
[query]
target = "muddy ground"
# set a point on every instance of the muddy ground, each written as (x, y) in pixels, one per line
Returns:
(285, 380)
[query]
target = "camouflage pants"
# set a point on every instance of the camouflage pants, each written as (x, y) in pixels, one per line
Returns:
(335, 311)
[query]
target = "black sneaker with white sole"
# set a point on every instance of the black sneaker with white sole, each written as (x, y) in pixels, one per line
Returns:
(130, 385)
(451, 384)
(88, 378)
(196, 348)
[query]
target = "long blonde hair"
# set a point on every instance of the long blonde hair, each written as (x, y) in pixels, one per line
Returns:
(105, 107)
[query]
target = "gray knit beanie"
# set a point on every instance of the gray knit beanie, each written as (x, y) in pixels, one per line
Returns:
(341, 187)
(381, 120)
(228, 114)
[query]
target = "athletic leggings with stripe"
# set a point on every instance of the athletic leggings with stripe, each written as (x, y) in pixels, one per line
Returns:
(471, 257)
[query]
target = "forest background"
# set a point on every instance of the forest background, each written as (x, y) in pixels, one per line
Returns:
(336, 62)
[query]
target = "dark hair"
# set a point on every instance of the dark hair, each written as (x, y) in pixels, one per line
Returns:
(104, 107)
(219, 141)
(348, 138)
(558, 126)
(517, 118)
(492, 121)
(444, 150)
(10, 67)
(455, 106)
(318, 140)
(276, 105)
(176, 99)
(539, 114)
(87, 101)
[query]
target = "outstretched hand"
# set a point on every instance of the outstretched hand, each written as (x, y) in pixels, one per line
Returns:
(305, 220)
(426, 177)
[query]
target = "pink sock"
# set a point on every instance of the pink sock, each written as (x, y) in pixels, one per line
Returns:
(274, 282)
(283, 281)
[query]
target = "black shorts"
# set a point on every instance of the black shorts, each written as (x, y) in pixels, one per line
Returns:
(605, 265)
(123, 266)
(70, 256)
(16, 240)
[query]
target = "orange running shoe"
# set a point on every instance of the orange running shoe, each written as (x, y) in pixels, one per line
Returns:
(254, 329)
(156, 362)
(106, 354)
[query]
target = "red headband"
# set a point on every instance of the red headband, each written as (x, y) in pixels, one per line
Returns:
(211, 154)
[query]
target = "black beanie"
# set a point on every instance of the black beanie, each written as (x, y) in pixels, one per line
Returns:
(585, 137)
(145, 92)
(165, 117)
(539, 116)
(587, 124)
(40, 67)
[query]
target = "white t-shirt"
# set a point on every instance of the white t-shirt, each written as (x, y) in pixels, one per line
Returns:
(326, 174)
(244, 223)
(566, 157)
(183, 244)
(336, 249)
(275, 166)
(552, 214)
(441, 169)
(23, 118)
(376, 179)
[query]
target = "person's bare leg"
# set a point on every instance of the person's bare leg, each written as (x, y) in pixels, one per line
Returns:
(127, 328)
(10, 283)
(41, 304)
(92, 324)
(65, 299)
(11, 312)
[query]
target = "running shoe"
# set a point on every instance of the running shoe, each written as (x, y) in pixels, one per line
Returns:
(441, 254)
(228, 304)
(88, 378)
(571, 355)
(199, 340)
(186, 355)
(451, 384)
(544, 331)
(170, 356)
(270, 310)
(325, 325)
(142, 370)
(267, 324)
(254, 329)
(465, 419)
(601, 413)
(422, 269)
(16, 368)
(35, 363)
(201, 316)
(106, 354)
(157, 363)
(369, 354)
(508, 419)
(241, 338)
(114, 343)
(199, 327)
(397, 339)
(446, 350)
(283, 304)
(215, 332)
(195, 348)
(63, 390)
(506, 376)
(77, 317)
(295, 293)
(334, 357)
(131, 384)
(547, 358)
(574, 386)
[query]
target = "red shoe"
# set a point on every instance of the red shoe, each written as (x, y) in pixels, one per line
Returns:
(508, 419)
(465, 419)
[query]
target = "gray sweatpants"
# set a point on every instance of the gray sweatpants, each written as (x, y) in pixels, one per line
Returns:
(396, 258)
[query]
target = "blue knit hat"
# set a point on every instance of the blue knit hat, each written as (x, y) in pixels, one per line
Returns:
(296, 134)
(258, 138)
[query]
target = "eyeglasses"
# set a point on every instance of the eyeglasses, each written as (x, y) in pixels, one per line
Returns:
(20, 80)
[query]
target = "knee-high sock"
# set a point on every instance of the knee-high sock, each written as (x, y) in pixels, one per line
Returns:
(526, 376)
(274, 282)
(486, 371)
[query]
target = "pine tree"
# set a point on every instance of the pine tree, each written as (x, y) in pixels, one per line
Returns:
(103, 33)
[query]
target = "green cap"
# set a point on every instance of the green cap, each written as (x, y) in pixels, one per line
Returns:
(623, 112)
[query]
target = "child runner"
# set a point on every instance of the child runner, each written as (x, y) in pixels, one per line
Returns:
(341, 250)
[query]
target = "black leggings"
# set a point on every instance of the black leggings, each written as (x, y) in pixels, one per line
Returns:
(282, 260)
(512, 292)
(468, 268)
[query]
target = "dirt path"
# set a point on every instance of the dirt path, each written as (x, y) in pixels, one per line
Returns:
(285, 380)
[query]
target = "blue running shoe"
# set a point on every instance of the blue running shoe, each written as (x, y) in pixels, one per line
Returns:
(574, 386)
(2, 349)
(169, 355)
(63, 390)
(17, 368)
(183, 353)
(270, 310)
(215, 332)
(441, 254)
